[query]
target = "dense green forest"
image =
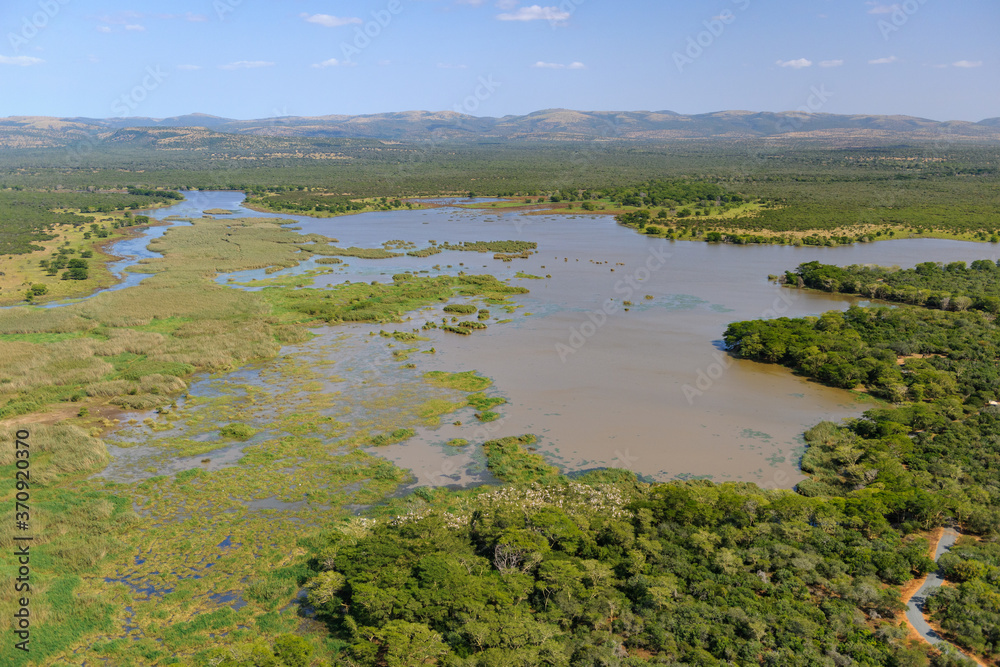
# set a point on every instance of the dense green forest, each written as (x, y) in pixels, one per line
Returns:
(970, 610)
(27, 216)
(952, 286)
(922, 188)
(932, 457)
(605, 572)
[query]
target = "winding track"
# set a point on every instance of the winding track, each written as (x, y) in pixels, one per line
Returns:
(915, 607)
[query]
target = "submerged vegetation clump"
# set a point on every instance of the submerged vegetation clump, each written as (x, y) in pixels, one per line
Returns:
(391, 438)
(241, 432)
(468, 381)
(460, 308)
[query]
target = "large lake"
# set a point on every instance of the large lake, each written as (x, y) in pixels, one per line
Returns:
(649, 389)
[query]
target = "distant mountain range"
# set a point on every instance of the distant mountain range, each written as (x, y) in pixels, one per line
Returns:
(547, 125)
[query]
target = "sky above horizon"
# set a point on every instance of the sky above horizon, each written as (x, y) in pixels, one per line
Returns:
(251, 59)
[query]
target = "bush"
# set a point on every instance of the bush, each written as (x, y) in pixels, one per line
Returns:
(293, 650)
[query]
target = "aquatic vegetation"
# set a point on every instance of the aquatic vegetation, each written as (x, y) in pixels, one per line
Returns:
(425, 252)
(507, 257)
(393, 437)
(431, 410)
(402, 336)
(457, 442)
(468, 324)
(241, 432)
(364, 302)
(327, 250)
(481, 401)
(460, 308)
(508, 461)
(462, 331)
(467, 381)
(492, 246)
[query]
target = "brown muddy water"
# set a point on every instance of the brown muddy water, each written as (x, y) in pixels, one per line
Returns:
(645, 386)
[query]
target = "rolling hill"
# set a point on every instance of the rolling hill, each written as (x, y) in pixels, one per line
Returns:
(547, 125)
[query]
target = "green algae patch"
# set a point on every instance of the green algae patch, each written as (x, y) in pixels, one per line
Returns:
(467, 381)
(509, 461)
(432, 410)
(241, 432)
(392, 437)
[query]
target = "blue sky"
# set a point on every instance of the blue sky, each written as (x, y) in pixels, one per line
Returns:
(257, 58)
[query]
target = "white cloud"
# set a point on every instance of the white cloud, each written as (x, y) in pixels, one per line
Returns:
(968, 63)
(450, 66)
(795, 64)
(247, 64)
(120, 18)
(333, 62)
(573, 65)
(135, 27)
(22, 61)
(507, 4)
(884, 61)
(103, 28)
(831, 63)
(879, 8)
(329, 21)
(535, 13)
(189, 68)
(191, 17)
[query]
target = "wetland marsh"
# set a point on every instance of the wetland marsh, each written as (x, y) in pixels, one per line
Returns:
(646, 387)
(603, 344)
